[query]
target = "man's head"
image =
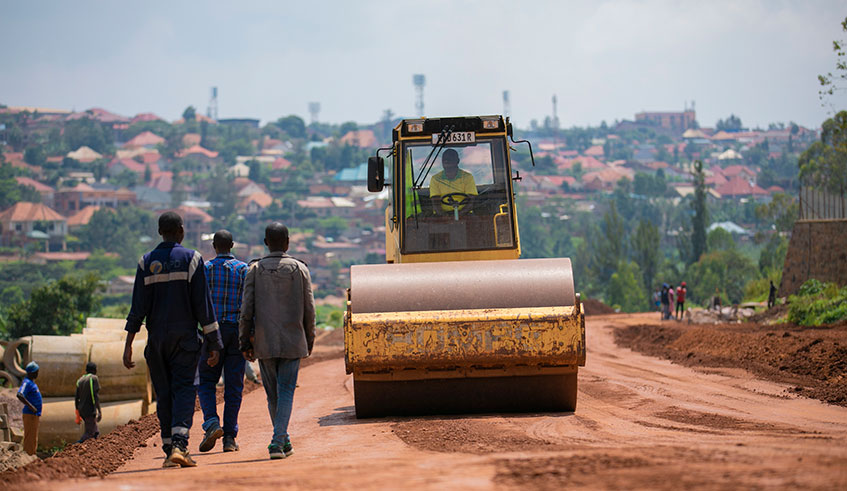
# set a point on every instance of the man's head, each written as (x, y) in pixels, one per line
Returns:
(91, 367)
(32, 370)
(222, 242)
(170, 227)
(450, 162)
(276, 237)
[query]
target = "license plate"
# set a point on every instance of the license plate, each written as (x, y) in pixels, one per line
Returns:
(455, 137)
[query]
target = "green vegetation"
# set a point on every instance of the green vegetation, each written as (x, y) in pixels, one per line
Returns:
(58, 307)
(328, 316)
(818, 303)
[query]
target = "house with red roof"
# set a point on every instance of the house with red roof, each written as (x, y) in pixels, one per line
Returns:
(202, 160)
(25, 222)
(47, 193)
(606, 179)
(144, 117)
(117, 166)
(254, 203)
(71, 200)
(739, 187)
(594, 151)
(82, 217)
(146, 139)
(587, 162)
(360, 138)
(739, 170)
(195, 221)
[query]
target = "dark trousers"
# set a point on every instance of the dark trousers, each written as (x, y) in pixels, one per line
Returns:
(232, 366)
(91, 429)
(172, 363)
(680, 309)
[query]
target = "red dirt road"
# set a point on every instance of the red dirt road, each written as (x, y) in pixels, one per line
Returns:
(640, 422)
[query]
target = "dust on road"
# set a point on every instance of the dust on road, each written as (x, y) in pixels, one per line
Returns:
(641, 422)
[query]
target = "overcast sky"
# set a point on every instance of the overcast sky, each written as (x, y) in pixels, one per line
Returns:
(605, 60)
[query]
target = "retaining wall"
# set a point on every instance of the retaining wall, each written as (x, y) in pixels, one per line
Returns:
(818, 249)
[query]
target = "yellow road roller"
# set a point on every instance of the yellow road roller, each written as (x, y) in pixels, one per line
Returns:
(455, 322)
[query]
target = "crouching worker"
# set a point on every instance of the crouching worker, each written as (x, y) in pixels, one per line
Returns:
(171, 293)
(277, 326)
(29, 394)
(87, 402)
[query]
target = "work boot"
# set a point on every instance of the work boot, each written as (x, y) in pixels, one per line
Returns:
(287, 448)
(168, 464)
(181, 457)
(275, 452)
(212, 435)
(229, 444)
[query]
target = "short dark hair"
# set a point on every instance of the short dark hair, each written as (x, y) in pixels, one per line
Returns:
(222, 237)
(454, 155)
(276, 234)
(169, 222)
(91, 367)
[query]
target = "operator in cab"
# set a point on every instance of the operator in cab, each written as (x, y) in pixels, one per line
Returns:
(452, 189)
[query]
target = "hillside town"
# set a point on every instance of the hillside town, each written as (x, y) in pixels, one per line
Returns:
(71, 170)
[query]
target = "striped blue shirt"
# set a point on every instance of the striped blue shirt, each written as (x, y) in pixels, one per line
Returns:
(225, 275)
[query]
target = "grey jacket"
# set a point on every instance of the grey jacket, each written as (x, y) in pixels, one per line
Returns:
(277, 308)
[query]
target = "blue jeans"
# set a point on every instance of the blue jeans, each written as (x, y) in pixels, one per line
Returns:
(279, 377)
(232, 365)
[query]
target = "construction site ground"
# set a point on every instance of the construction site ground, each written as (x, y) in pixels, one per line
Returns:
(661, 406)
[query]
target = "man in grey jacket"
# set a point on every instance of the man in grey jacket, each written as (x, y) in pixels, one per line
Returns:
(277, 327)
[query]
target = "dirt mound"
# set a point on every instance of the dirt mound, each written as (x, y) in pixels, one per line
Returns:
(595, 307)
(812, 359)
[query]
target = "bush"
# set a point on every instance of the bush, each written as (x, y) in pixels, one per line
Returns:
(818, 303)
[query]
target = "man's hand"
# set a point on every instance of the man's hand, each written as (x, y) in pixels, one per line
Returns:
(214, 356)
(248, 355)
(99, 415)
(128, 363)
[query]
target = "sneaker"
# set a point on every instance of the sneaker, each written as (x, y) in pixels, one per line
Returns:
(275, 451)
(168, 464)
(212, 435)
(229, 444)
(181, 458)
(288, 449)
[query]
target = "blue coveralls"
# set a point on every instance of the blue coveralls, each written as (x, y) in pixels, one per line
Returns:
(170, 291)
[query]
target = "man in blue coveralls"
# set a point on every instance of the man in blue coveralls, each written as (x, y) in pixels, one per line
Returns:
(170, 291)
(225, 275)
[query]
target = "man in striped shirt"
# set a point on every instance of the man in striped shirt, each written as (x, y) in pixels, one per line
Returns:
(225, 275)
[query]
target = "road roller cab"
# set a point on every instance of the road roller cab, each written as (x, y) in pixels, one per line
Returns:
(455, 322)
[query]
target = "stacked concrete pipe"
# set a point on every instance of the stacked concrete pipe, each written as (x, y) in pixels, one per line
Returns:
(124, 394)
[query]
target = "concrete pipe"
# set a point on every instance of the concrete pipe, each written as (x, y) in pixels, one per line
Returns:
(58, 423)
(61, 360)
(9, 380)
(116, 382)
(14, 354)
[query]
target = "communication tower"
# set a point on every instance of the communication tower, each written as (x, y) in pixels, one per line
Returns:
(507, 105)
(555, 122)
(419, 80)
(212, 110)
(314, 110)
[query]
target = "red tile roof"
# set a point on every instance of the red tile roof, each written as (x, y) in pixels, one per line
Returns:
(197, 149)
(99, 114)
(145, 139)
(360, 138)
(24, 211)
(588, 162)
(145, 117)
(135, 166)
(83, 216)
(191, 139)
(260, 198)
(738, 186)
(280, 164)
(735, 170)
(595, 151)
(41, 188)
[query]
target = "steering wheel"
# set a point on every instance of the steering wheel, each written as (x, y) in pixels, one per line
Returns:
(452, 201)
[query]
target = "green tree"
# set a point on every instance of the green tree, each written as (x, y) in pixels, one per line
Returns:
(293, 126)
(88, 132)
(11, 192)
(626, 290)
(57, 308)
(35, 155)
(609, 247)
(700, 220)
(720, 240)
(824, 163)
(782, 211)
(772, 257)
(728, 271)
(190, 114)
(830, 82)
(732, 123)
(645, 251)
